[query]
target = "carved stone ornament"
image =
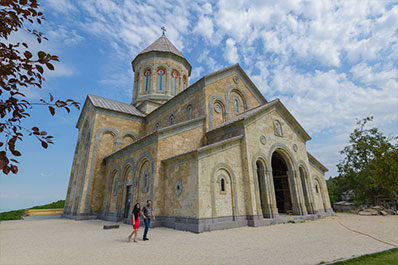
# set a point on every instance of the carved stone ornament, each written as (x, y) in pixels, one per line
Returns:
(295, 148)
(263, 140)
(278, 128)
(236, 79)
(217, 107)
(178, 187)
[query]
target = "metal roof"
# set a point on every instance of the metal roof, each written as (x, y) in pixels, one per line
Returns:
(114, 105)
(162, 45)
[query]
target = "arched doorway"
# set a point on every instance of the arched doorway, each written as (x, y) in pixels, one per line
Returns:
(262, 186)
(304, 185)
(281, 183)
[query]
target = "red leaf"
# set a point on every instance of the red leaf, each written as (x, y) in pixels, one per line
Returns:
(6, 170)
(39, 68)
(44, 144)
(41, 54)
(14, 169)
(50, 66)
(51, 97)
(28, 54)
(52, 110)
(15, 152)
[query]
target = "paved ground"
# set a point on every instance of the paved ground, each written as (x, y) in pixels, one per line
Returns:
(64, 241)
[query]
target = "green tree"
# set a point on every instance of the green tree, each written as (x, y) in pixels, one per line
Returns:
(369, 167)
(20, 68)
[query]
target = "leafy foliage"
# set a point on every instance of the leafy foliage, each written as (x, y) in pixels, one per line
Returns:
(17, 214)
(53, 205)
(19, 68)
(369, 168)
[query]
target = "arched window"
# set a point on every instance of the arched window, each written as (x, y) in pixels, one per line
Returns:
(145, 181)
(174, 75)
(171, 119)
(236, 106)
(222, 185)
(161, 74)
(189, 111)
(184, 80)
(147, 75)
(157, 126)
(316, 187)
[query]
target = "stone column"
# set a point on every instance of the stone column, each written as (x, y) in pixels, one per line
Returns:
(297, 203)
(271, 194)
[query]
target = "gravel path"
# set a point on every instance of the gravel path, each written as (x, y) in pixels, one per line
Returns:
(64, 241)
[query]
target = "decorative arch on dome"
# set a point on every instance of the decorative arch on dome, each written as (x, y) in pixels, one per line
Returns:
(174, 81)
(147, 79)
(161, 78)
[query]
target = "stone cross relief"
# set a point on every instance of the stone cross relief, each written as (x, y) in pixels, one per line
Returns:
(278, 128)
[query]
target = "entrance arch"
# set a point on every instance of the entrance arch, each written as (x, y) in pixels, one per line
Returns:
(281, 183)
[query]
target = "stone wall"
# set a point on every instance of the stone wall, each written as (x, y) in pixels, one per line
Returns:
(220, 97)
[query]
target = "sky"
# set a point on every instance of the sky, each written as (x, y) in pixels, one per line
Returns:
(329, 62)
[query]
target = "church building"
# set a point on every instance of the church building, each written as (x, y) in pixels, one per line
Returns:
(211, 155)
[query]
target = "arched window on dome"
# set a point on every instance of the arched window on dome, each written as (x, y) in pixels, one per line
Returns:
(161, 77)
(147, 75)
(174, 75)
(185, 81)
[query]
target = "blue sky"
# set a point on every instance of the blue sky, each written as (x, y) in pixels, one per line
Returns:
(330, 63)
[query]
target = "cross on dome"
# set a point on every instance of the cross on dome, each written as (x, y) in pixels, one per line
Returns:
(164, 30)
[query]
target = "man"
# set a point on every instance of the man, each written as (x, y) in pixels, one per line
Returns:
(148, 214)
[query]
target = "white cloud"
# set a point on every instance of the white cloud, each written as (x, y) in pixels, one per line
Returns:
(329, 61)
(231, 52)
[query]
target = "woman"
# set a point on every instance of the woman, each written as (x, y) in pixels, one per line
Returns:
(136, 221)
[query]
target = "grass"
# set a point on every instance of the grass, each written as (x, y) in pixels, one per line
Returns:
(17, 214)
(388, 257)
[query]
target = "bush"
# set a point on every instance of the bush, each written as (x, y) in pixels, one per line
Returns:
(17, 214)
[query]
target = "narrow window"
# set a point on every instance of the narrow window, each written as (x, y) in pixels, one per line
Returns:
(174, 75)
(156, 126)
(147, 79)
(160, 72)
(222, 185)
(316, 188)
(236, 105)
(189, 110)
(171, 119)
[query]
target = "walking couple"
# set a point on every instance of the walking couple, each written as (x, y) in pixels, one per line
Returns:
(147, 213)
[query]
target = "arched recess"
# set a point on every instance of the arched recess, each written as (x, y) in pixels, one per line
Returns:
(287, 191)
(319, 194)
(223, 203)
(126, 138)
(216, 111)
(306, 187)
(105, 144)
(235, 92)
(144, 178)
(126, 190)
(237, 100)
(111, 187)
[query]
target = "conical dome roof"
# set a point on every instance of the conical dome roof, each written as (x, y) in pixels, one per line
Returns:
(162, 45)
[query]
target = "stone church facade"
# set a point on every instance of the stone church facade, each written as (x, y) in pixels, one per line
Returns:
(212, 155)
